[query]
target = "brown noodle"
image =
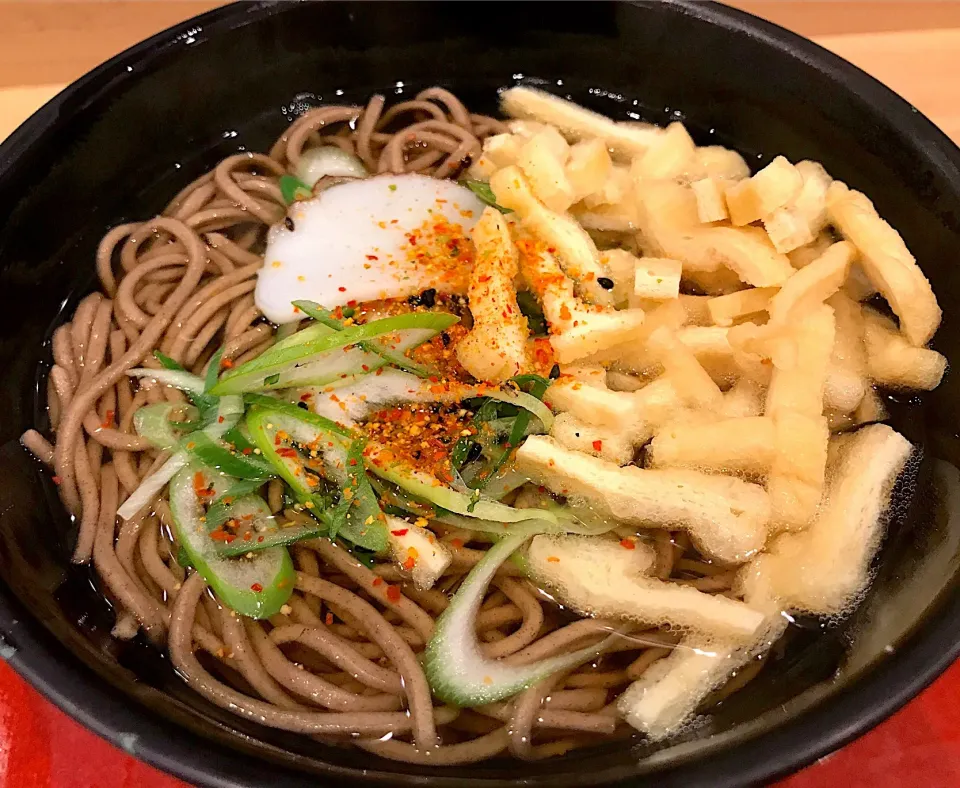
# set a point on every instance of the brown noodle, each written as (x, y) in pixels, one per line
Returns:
(341, 659)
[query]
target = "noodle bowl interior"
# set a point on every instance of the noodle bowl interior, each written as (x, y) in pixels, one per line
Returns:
(451, 436)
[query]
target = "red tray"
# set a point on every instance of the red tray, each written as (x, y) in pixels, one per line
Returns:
(40, 747)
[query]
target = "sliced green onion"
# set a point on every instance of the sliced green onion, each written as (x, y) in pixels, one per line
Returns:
(458, 672)
(430, 488)
(212, 454)
(365, 524)
(322, 423)
(219, 511)
(213, 371)
(484, 193)
(187, 382)
(228, 413)
(167, 362)
(262, 531)
(315, 163)
(153, 423)
(397, 358)
(400, 500)
(320, 360)
(175, 378)
(538, 387)
(293, 338)
(257, 587)
(293, 189)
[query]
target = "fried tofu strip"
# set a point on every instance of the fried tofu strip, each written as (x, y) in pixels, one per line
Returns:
(737, 445)
(846, 383)
(604, 579)
(800, 221)
(671, 225)
(892, 362)
(795, 402)
(797, 382)
(725, 517)
(672, 155)
(577, 122)
(726, 309)
(818, 571)
(760, 195)
(668, 694)
(577, 330)
(823, 569)
(688, 376)
(711, 204)
(887, 262)
(636, 413)
(576, 252)
(812, 285)
(495, 348)
(610, 444)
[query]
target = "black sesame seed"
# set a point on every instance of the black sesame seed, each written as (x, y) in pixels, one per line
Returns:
(445, 337)
(428, 297)
(288, 223)
(303, 405)
(605, 282)
(554, 372)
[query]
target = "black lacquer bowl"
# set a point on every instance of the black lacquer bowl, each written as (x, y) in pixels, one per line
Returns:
(120, 142)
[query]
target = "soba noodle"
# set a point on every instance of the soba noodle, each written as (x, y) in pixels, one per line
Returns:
(340, 662)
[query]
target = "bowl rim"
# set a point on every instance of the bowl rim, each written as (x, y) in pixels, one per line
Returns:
(925, 652)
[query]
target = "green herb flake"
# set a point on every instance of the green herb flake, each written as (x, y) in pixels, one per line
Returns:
(484, 193)
(292, 189)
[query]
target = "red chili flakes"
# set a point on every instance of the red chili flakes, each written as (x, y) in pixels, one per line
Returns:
(420, 435)
(628, 544)
(377, 581)
(565, 312)
(342, 289)
(393, 593)
(287, 452)
(400, 532)
(409, 563)
(220, 419)
(108, 419)
(226, 363)
(256, 587)
(553, 559)
(247, 450)
(597, 445)
(57, 480)
(200, 485)
(372, 257)
(456, 543)
(328, 619)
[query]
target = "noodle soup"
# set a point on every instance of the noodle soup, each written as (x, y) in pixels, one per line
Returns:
(452, 436)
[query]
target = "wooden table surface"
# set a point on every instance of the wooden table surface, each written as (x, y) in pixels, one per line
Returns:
(914, 47)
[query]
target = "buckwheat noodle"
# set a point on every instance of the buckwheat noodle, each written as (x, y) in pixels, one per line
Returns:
(340, 662)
